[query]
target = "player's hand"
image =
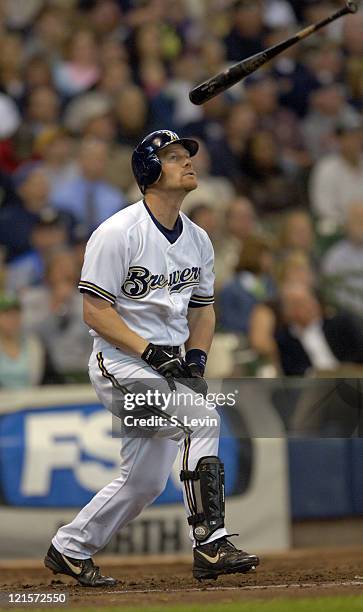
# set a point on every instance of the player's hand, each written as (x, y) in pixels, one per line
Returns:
(194, 378)
(162, 359)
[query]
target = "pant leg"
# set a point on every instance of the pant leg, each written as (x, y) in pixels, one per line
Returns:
(145, 468)
(146, 465)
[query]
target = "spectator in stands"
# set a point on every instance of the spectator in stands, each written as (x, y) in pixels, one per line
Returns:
(262, 93)
(245, 37)
(42, 110)
(265, 319)
(296, 232)
(337, 180)
(240, 223)
(23, 360)
(308, 340)
(326, 62)
(81, 69)
(48, 234)
(261, 333)
(18, 218)
(49, 32)
(227, 149)
(90, 114)
(147, 42)
(206, 217)
(37, 73)
(105, 18)
(131, 126)
(56, 149)
(88, 196)
(328, 108)
(266, 182)
(295, 267)
(342, 265)
(54, 312)
(252, 283)
(115, 76)
(21, 17)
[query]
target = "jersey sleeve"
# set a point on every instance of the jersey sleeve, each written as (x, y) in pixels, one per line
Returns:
(105, 266)
(203, 295)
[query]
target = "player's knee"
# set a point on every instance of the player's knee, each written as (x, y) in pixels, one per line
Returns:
(156, 486)
(150, 488)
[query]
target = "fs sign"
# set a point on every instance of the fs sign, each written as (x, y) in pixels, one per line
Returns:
(61, 456)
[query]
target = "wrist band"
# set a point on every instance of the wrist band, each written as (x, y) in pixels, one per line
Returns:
(198, 357)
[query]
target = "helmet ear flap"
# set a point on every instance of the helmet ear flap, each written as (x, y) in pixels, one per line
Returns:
(154, 170)
(146, 168)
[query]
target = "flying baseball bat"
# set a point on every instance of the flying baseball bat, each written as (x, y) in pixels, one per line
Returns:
(222, 81)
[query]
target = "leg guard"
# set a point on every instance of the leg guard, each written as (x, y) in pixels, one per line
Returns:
(207, 485)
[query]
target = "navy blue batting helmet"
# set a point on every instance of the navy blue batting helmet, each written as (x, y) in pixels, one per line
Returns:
(146, 165)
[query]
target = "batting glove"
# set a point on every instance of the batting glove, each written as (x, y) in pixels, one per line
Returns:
(194, 365)
(162, 359)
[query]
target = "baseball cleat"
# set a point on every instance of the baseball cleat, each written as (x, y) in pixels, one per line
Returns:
(221, 557)
(83, 570)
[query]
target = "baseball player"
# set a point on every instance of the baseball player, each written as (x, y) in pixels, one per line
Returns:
(147, 281)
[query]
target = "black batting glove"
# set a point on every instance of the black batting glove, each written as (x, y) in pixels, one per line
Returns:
(194, 365)
(162, 359)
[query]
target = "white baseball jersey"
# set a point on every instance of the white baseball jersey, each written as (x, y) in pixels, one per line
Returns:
(151, 282)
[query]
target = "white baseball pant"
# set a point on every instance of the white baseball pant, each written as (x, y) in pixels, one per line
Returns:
(146, 462)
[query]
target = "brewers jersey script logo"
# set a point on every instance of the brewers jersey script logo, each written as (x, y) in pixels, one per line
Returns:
(140, 281)
(150, 282)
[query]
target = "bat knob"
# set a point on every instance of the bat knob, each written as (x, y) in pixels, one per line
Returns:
(352, 6)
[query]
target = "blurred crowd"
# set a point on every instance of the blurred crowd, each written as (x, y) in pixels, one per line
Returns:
(280, 170)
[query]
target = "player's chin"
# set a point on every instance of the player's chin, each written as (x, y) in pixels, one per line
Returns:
(190, 182)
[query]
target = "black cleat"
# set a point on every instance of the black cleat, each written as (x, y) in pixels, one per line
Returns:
(221, 557)
(83, 570)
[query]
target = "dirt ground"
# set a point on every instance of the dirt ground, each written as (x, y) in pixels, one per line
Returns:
(151, 582)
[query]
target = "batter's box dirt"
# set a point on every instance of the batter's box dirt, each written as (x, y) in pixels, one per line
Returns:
(292, 574)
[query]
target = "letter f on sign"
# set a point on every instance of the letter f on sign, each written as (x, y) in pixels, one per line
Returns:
(48, 447)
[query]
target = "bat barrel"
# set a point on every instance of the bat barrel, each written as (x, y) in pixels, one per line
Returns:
(207, 90)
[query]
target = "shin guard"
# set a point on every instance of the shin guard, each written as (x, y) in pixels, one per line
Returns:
(205, 486)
